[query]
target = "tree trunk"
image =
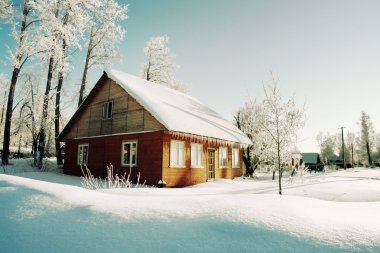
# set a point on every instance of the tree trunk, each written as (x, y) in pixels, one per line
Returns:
(279, 170)
(12, 88)
(369, 154)
(247, 162)
(84, 77)
(2, 111)
(45, 107)
(58, 151)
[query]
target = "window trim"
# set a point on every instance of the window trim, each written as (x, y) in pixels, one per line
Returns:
(197, 166)
(130, 155)
(219, 157)
(108, 103)
(88, 148)
(184, 155)
(238, 158)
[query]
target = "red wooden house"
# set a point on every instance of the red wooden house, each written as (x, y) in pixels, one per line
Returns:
(151, 130)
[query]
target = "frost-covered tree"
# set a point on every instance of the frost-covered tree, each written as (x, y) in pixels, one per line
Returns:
(376, 151)
(160, 65)
(103, 38)
(367, 134)
(249, 120)
(327, 144)
(281, 121)
(64, 23)
(6, 10)
(30, 108)
(4, 82)
(26, 40)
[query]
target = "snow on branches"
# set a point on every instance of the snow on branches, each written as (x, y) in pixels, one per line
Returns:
(272, 125)
(6, 9)
(160, 64)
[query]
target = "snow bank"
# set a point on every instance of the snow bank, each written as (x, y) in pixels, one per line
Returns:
(338, 223)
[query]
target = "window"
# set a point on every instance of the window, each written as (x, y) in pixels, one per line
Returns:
(177, 154)
(196, 155)
(107, 110)
(129, 153)
(223, 158)
(235, 158)
(82, 154)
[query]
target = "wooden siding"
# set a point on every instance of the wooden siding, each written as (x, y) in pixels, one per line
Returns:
(175, 177)
(128, 115)
(105, 150)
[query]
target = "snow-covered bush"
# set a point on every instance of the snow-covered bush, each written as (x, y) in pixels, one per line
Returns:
(298, 174)
(110, 182)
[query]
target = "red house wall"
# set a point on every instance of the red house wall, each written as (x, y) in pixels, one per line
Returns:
(153, 159)
(107, 149)
(175, 177)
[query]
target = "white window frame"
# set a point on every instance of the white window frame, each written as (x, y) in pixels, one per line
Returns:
(221, 164)
(123, 152)
(235, 158)
(177, 148)
(80, 157)
(106, 111)
(196, 155)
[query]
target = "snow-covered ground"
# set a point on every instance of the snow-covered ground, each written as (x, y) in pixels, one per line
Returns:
(337, 211)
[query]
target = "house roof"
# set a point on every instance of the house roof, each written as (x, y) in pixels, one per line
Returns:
(334, 157)
(177, 111)
(311, 158)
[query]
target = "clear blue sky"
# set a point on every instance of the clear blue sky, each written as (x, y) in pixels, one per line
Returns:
(326, 53)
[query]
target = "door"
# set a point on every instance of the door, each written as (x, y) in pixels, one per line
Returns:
(210, 164)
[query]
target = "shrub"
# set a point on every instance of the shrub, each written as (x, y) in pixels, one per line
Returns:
(110, 182)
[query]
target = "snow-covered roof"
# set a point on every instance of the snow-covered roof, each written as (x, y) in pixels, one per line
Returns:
(311, 158)
(177, 111)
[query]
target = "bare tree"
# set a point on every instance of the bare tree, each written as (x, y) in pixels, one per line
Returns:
(160, 65)
(281, 121)
(104, 35)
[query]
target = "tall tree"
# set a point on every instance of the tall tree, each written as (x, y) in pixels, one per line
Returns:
(281, 120)
(367, 134)
(26, 43)
(160, 65)
(104, 35)
(4, 82)
(63, 27)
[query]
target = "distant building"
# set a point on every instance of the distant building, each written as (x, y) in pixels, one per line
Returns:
(312, 161)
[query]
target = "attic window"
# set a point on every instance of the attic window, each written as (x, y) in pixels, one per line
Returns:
(107, 110)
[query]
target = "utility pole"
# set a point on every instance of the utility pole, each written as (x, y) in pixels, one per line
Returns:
(352, 155)
(344, 160)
